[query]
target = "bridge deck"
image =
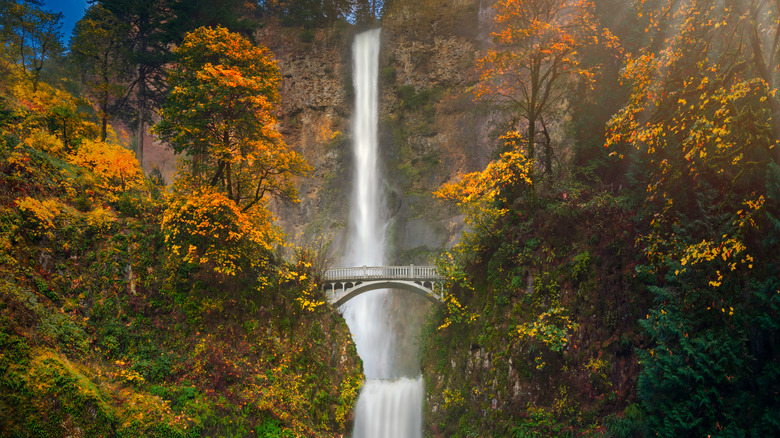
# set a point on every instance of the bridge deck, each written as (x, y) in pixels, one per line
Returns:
(409, 273)
(342, 284)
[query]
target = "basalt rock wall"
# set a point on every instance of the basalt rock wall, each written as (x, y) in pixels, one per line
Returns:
(430, 128)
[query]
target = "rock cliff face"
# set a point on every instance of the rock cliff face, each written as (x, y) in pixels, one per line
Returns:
(430, 130)
(315, 119)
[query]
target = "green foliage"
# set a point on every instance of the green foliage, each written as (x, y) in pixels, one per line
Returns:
(30, 37)
(221, 112)
(270, 428)
(552, 328)
(549, 303)
(580, 266)
(411, 99)
(702, 377)
(98, 47)
(630, 424)
(540, 423)
(321, 13)
(387, 75)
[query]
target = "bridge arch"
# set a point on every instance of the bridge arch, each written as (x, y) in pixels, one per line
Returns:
(340, 297)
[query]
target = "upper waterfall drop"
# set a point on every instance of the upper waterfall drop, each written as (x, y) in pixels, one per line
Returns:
(368, 218)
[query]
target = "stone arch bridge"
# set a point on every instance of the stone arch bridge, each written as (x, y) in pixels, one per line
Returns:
(342, 284)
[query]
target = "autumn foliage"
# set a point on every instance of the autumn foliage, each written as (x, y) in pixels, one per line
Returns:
(208, 228)
(536, 60)
(132, 309)
(115, 167)
(220, 112)
(688, 227)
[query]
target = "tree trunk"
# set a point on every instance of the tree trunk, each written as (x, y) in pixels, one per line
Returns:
(774, 106)
(65, 141)
(139, 152)
(231, 195)
(766, 72)
(547, 149)
(104, 119)
(531, 147)
(104, 106)
(141, 114)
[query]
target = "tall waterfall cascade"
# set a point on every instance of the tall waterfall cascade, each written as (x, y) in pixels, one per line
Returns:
(390, 402)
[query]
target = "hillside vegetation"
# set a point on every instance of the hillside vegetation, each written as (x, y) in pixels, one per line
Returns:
(629, 290)
(125, 309)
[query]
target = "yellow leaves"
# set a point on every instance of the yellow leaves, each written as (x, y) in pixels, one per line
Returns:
(116, 169)
(708, 251)
(552, 328)
(728, 251)
(222, 114)
(750, 208)
(41, 214)
(300, 276)
(101, 219)
(42, 140)
(512, 169)
(754, 204)
(547, 37)
(452, 399)
(308, 304)
(455, 312)
(217, 233)
(130, 376)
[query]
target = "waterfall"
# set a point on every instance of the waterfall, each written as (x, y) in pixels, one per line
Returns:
(390, 403)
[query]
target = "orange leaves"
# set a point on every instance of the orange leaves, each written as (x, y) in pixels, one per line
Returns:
(221, 112)
(208, 228)
(40, 214)
(511, 169)
(115, 168)
(482, 194)
(539, 46)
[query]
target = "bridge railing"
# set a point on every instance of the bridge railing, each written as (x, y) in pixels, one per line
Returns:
(410, 272)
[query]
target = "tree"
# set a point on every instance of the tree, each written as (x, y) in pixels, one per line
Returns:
(536, 57)
(488, 195)
(236, 15)
(154, 27)
(98, 47)
(318, 13)
(220, 113)
(115, 169)
(762, 20)
(147, 44)
(31, 36)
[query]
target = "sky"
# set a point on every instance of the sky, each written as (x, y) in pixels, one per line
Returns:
(72, 10)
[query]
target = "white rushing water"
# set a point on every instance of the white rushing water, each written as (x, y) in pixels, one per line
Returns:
(390, 404)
